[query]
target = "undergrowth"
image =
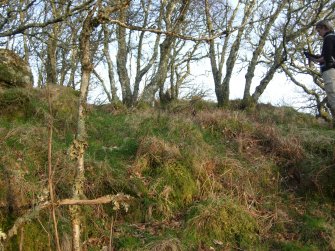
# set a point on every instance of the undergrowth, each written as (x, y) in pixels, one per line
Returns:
(201, 178)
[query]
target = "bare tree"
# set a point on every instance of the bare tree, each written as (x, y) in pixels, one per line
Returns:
(174, 18)
(263, 37)
(218, 56)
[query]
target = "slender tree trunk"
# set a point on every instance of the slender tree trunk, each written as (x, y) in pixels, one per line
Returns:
(217, 75)
(25, 39)
(278, 61)
(63, 69)
(51, 64)
(51, 61)
(73, 58)
(112, 81)
(80, 143)
(109, 97)
(140, 72)
(50, 175)
(121, 61)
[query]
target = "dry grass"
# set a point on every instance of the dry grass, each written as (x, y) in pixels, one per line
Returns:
(287, 150)
(172, 244)
(153, 152)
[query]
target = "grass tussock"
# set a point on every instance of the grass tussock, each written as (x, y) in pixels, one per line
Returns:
(172, 244)
(170, 183)
(153, 152)
(221, 221)
(33, 105)
(287, 150)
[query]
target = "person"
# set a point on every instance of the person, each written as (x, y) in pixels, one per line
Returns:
(326, 61)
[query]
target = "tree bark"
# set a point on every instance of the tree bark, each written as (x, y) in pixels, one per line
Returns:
(121, 61)
(80, 143)
(110, 65)
(50, 66)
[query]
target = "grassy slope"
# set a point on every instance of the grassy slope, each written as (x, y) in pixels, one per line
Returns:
(200, 177)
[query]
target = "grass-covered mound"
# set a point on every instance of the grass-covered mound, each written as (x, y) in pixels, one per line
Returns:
(201, 178)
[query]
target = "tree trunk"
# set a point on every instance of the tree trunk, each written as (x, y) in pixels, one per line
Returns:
(110, 65)
(140, 72)
(73, 58)
(25, 39)
(257, 52)
(234, 51)
(218, 67)
(121, 61)
(80, 143)
(51, 60)
(157, 82)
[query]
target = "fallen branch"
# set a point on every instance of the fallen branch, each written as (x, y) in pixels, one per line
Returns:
(119, 200)
(102, 200)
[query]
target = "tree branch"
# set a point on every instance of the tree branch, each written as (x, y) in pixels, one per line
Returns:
(118, 200)
(22, 28)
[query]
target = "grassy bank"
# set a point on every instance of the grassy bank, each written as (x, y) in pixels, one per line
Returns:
(201, 178)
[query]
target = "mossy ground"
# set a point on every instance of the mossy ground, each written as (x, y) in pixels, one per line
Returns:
(201, 178)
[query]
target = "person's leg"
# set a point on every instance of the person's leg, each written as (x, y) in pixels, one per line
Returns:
(329, 79)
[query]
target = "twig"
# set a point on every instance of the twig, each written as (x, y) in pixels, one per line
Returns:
(46, 231)
(111, 235)
(21, 239)
(50, 174)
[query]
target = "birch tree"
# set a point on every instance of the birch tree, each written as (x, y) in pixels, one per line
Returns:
(80, 143)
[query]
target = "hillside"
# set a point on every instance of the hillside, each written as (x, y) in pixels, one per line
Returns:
(199, 177)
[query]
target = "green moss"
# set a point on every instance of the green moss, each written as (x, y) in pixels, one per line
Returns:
(34, 238)
(173, 186)
(221, 220)
(15, 103)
